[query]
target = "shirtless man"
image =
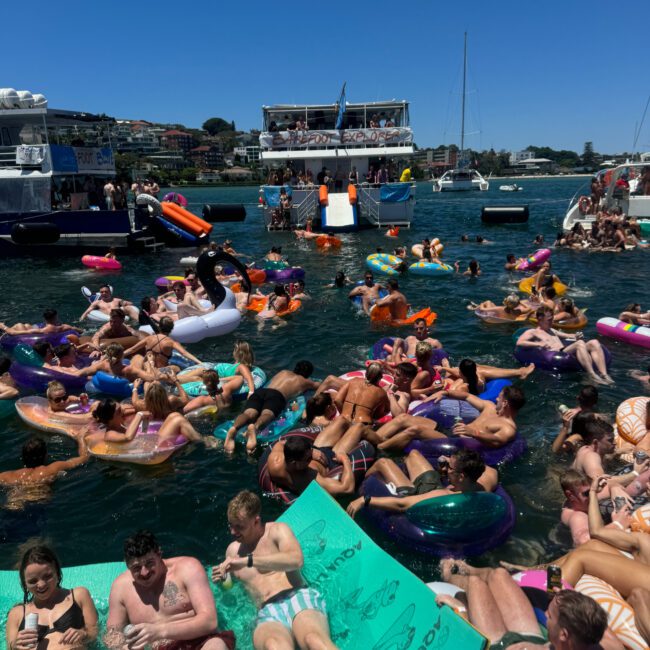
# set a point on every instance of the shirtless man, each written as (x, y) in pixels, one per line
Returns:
(404, 349)
(27, 484)
(109, 195)
(589, 354)
(369, 292)
(108, 302)
(599, 443)
(66, 354)
(265, 404)
(51, 326)
(162, 603)
(188, 303)
(466, 472)
(395, 301)
(161, 346)
(267, 558)
(114, 329)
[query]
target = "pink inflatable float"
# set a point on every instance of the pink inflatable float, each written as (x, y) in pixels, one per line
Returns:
(533, 261)
(96, 262)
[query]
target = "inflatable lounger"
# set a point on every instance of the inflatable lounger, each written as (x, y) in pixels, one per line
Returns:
(374, 603)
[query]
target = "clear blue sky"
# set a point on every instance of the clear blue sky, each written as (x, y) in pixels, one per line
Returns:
(548, 73)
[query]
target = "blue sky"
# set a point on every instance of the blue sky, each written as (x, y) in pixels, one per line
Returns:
(549, 74)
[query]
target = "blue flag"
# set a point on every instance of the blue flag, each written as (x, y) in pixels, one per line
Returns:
(339, 117)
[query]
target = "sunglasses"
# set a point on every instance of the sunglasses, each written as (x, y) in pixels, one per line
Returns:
(61, 398)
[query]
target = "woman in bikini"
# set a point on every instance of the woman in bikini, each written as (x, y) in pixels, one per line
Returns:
(473, 377)
(157, 401)
(66, 617)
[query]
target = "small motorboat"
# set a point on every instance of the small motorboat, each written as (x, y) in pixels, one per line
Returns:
(510, 188)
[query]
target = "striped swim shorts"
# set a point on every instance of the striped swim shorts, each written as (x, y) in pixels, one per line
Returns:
(286, 605)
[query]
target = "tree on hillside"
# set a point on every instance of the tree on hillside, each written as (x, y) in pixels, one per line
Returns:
(588, 155)
(217, 125)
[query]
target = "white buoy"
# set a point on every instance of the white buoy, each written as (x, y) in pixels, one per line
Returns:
(9, 98)
(26, 99)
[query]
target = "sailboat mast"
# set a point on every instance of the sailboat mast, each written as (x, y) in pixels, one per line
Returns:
(462, 123)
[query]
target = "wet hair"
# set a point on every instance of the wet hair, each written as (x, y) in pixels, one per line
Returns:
(190, 270)
(145, 303)
(572, 479)
(34, 453)
(317, 405)
(304, 368)
(50, 314)
(515, 397)
(549, 291)
(420, 320)
(588, 397)
(157, 402)
(5, 364)
(42, 348)
(633, 306)
(510, 258)
(243, 353)
(374, 373)
(470, 463)
(423, 351)
(105, 286)
(54, 387)
(210, 379)
(369, 274)
(596, 429)
(296, 448)
(38, 555)
(581, 616)
(105, 410)
(279, 290)
(245, 503)
(473, 266)
(542, 311)
(166, 325)
(179, 284)
(339, 279)
(139, 545)
(467, 368)
(408, 370)
(118, 313)
(579, 422)
(464, 238)
(480, 239)
(392, 284)
(62, 350)
(114, 352)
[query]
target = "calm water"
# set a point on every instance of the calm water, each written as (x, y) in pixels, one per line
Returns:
(94, 508)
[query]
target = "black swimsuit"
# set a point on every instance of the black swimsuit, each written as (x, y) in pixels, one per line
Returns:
(72, 618)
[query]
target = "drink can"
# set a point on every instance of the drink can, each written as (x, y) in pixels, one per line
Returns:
(553, 578)
(227, 582)
(31, 621)
(562, 408)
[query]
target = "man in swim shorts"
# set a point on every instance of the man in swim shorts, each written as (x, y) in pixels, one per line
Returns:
(369, 291)
(265, 404)
(589, 354)
(267, 558)
(404, 349)
(162, 603)
(466, 472)
(108, 302)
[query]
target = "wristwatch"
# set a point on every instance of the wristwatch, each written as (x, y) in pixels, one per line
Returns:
(249, 564)
(366, 501)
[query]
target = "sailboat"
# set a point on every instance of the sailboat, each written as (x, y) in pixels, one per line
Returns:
(463, 178)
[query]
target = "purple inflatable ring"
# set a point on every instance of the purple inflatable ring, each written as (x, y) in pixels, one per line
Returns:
(10, 342)
(458, 525)
(433, 449)
(377, 351)
(290, 273)
(37, 378)
(553, 359)
(445, 412)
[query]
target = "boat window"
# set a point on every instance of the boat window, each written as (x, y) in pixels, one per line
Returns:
(25, 195)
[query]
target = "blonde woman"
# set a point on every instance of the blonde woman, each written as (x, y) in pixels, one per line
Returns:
(157, 401)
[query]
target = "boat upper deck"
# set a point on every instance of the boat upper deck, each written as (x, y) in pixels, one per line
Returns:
(335, 130)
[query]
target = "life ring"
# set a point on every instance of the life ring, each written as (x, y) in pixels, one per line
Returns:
(382, 315)
(641, 519)
(327, 241)
(384, 263)
(196, 388)
(286, 273)
(151, 202)
(534, 260)
(526, 286)
(457, 525)
(393, 232)
(631, 419)
(34, 412)
(430, 268)
(10, 341)
(260, 304)
(37, 378)
(361, 457)
(584, 205)
(380, 350)
(96, 262)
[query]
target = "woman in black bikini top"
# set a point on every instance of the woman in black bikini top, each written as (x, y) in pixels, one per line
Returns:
(72, 610)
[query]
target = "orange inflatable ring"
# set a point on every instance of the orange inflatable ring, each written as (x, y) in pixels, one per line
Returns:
(641, 519)
(327, 241)
(259, 304)
(631, 419)
(393, 232)
(382, 315)
(584, 205)
(620, 615)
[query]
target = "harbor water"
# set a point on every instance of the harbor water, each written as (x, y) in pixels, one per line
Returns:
(86, 514)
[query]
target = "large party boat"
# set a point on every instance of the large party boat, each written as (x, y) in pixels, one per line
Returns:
(341, 165)
(53, 168)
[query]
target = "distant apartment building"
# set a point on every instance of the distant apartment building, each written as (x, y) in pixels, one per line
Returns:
(536, 166)
(248, 154)
(208, 177)
(135, 136)
(517, 156)
(176, 140)
(206, 157)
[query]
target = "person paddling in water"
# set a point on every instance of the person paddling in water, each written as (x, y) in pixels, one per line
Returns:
(589, 354)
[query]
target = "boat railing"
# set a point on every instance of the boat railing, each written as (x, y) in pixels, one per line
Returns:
(306, 208)
(369, 206)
